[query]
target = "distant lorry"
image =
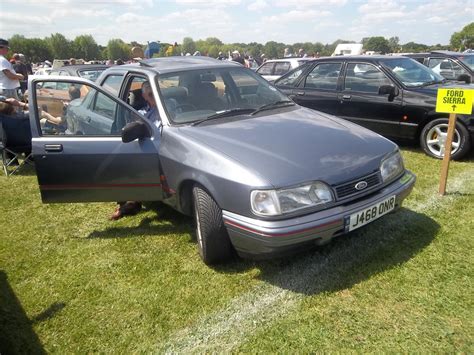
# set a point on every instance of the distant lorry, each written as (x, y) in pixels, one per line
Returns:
(348, 49)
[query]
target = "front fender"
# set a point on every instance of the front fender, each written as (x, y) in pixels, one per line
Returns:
(186, 161)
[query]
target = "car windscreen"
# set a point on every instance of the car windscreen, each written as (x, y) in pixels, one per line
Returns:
(91, 74)
(410, 72)
(193, 95)
(468, 60)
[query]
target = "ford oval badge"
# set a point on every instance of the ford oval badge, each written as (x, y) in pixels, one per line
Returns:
(361, 185)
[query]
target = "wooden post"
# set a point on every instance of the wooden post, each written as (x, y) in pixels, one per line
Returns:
(447, 154)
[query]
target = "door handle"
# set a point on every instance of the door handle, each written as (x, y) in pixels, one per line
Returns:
(346, 97)
(53, 147)
(88, 119)
(300, 93)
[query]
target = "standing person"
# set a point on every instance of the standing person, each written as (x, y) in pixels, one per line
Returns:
(237, 58)
(29, 69)
(21, 68)
(9, 79)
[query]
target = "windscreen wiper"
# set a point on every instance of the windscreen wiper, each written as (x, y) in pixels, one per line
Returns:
(225, 113)
(281, 103)
(428, 83)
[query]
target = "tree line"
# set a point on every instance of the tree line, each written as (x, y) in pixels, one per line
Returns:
(85, 46)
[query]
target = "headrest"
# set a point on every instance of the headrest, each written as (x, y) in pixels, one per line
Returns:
(174, 92)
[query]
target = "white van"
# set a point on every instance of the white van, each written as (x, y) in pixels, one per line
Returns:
(348, 49)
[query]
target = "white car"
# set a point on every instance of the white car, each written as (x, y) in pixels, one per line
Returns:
(273, 69)
(43, 71)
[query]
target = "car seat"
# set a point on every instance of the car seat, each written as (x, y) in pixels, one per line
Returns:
(205, 97)
(15, 143)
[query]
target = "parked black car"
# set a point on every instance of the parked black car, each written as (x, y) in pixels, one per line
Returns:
(450, 65)
(392, 95)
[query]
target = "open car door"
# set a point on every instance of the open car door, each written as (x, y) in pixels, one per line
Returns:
(79, 155)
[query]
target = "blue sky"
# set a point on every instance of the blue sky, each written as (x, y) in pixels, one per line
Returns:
(288, 21)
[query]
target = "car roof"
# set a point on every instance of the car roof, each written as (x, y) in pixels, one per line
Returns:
(289, 59)
(354, 58)
(440, 52)
(73, 69)
(450, 53)
(172, 64)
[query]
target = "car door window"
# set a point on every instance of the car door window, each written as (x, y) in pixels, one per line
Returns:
(281, 68)
(104, 105)
(324, 76)
(112, 83)
(91, 74)
(364, 78)
(291, 78)
(80, 110)
(266, 69)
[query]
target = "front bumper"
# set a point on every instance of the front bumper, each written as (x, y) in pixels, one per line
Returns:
(258, 238)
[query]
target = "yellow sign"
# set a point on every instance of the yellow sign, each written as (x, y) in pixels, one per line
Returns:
(454, 100)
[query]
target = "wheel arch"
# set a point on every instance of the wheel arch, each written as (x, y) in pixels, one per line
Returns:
(431, 116)
(185, 194)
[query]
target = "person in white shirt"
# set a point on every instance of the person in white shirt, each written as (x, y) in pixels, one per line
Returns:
(9, 79)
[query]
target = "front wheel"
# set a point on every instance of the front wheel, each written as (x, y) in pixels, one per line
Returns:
(433, 138)
(212, 238)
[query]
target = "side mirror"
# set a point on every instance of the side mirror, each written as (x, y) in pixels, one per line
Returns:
(465, 77)
(135, 130)
(389, 90)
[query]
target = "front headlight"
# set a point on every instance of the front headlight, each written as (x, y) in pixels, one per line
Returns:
(391, 167)
(278, 202)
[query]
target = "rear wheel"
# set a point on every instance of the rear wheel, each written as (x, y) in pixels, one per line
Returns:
(212, 238)
(433, 138)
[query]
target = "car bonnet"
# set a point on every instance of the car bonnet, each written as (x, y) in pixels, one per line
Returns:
(293, 147)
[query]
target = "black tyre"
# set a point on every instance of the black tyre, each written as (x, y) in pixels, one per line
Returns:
(212, 239)
(433, 137)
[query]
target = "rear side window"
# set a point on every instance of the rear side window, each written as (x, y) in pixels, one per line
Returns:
(324, 76)
(113, 83)
(364, 78)
(282, 68)
(266, 69)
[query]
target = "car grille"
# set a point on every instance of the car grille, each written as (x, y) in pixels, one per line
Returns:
(348, 189)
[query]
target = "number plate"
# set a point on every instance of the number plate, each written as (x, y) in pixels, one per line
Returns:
(371, 213)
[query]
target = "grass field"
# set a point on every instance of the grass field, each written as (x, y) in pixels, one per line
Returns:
(73, 282)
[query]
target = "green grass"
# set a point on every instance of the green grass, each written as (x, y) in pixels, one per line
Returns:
(72, 281)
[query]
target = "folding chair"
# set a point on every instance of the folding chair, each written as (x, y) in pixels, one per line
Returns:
(15, 143)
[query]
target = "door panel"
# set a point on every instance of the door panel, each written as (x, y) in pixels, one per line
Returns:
(361, 103)
(319, 89)
(79, 156)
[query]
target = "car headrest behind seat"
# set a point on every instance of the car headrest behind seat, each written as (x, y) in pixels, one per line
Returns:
(136, 100)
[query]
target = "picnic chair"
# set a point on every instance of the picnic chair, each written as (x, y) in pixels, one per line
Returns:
(15, 143)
